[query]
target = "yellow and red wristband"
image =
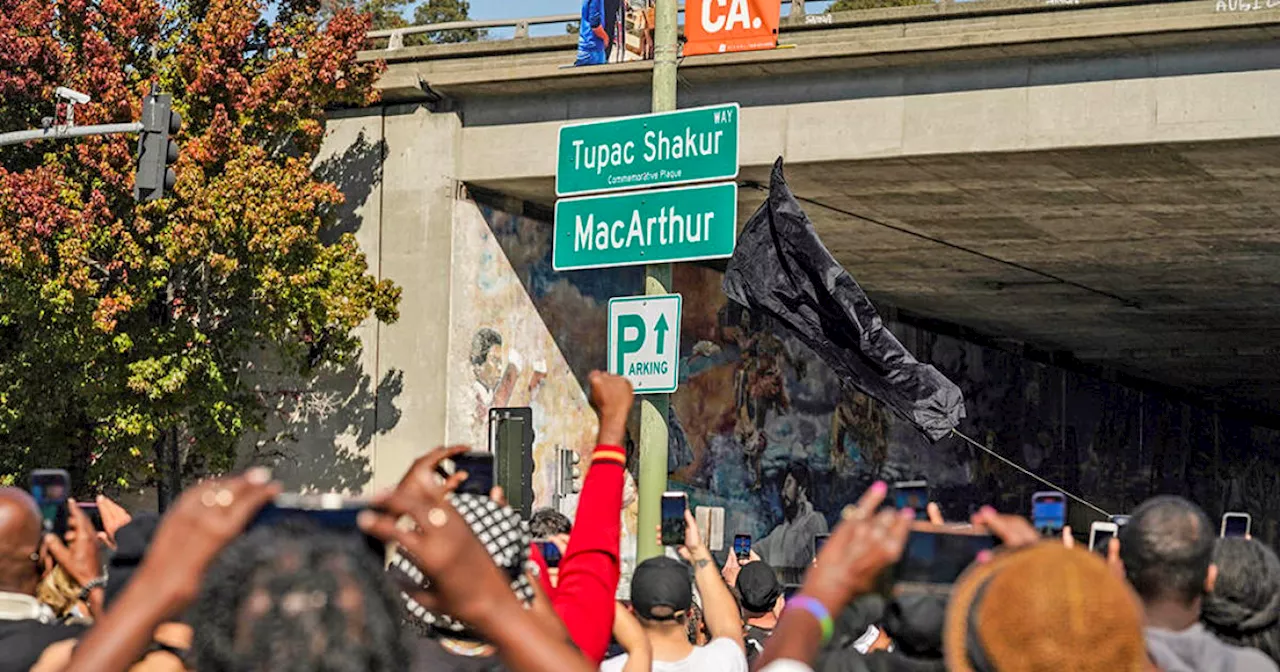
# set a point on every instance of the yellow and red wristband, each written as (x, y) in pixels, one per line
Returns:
(612, 454)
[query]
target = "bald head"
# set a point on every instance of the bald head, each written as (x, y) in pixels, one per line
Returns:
(20, 529)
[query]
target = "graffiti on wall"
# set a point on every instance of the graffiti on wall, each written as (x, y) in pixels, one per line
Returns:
(763, 428)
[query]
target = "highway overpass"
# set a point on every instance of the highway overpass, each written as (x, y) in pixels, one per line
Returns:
(1096, 184)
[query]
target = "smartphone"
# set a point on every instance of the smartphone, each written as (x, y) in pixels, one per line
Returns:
(479, 468)
(1100, 535)
(330, 512)
(1235, 524)
(912, 495)
(95, 516)
(936, 556)
(819, 540)
(674, 504)
(1120, 520)
(550, 553)
(1049, 512)
(50, 488)
(742, 546)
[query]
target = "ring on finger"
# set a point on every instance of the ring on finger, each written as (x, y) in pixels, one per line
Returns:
(219, 497)
(852, 512)
(437, 517)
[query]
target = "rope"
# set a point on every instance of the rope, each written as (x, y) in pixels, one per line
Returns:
(1019, 467)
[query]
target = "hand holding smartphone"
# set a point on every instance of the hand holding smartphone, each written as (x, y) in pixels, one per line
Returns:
(1049, 512)
(50, 488)
(742, 546)
(912, 495)
(674, 505)
(1100, 536)
(479, 468)
(936, 556)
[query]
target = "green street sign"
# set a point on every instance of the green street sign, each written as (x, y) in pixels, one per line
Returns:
(644, 341)
(645, 227)
(649, 150)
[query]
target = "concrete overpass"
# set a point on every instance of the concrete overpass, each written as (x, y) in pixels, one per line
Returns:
(1096, 183)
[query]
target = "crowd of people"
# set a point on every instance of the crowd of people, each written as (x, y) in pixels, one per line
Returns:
(431, 579)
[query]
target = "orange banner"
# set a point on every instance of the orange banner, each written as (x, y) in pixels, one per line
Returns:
(723, 26)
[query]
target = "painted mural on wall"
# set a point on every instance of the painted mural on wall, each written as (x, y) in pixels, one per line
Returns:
(762, 427)
(503, 355)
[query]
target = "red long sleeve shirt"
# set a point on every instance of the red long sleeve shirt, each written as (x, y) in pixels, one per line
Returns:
(589, 571)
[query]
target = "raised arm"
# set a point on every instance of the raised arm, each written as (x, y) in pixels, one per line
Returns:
(719, 609)
(588, 575)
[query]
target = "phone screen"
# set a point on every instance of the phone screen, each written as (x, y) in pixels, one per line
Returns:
(673, 523)
(1234, 525)
(1049, 512)
(1101, 538)
(742, 546)
(479, 468)
(95, 516)
(329, 512)
(912, 495)
(939, 557)
(550, 553)
(50, 488)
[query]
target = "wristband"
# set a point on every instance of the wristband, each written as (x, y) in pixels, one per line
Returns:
(818, 611)
(89, 587)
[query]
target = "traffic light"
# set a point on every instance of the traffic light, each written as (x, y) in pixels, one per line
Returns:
(570, 473)
(156, 149)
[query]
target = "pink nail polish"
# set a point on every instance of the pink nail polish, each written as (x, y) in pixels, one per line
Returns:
(983, 557)
(988, 511)
(907, 513)
(879, 487)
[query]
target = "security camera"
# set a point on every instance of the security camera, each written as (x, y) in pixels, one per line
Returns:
(73, 96)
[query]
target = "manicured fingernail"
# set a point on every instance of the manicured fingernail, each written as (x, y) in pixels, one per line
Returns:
(258, 475)
(366, 519)
(907, 513)
(879, 487)
(987, 511)
(984, 557)
(71, 501)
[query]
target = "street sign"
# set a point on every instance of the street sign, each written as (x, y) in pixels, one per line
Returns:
(644, 341)
(650, 150)
(645, 227)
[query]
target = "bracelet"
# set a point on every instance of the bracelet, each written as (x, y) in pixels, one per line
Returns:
(89, 587)
(818, 611)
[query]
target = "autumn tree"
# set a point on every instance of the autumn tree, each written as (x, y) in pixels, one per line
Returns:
(126, 331)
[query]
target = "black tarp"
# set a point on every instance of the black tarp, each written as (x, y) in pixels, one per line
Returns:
(781, 269)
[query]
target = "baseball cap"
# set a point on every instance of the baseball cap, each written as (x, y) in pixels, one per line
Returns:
(1044, 608)
(759, 587)
(661, 589)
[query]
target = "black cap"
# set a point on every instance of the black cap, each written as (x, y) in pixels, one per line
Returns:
(661, 589)
(759, 587)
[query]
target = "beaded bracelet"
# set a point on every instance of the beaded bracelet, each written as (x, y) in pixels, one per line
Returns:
(818, 611)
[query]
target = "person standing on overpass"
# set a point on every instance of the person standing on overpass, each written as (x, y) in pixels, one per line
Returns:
(593, 37)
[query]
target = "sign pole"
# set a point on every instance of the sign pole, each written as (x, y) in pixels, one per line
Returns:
(657, 280)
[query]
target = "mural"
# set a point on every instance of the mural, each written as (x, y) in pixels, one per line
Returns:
(762, 427)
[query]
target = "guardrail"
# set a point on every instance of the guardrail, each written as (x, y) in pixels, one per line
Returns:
(395, 36)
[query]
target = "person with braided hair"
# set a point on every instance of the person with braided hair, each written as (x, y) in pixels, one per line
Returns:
(1244, 608)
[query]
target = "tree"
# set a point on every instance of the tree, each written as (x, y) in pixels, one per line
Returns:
(444, 11)
(126, 331)
(850, 5)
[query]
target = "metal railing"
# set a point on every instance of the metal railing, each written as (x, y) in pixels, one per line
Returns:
(395, 36)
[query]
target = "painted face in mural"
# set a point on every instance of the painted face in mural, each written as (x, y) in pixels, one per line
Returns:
(490, 372)
(792, 496)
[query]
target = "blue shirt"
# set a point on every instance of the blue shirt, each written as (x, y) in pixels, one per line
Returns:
(592, 17)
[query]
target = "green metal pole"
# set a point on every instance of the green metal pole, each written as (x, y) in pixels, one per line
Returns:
(657, 280)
